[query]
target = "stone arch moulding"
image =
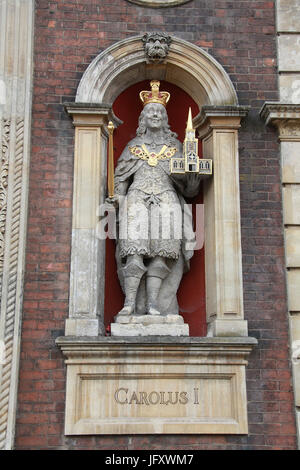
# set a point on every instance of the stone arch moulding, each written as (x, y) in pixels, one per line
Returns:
(203, 78)
(187, 66)
(159, 3)
(98, 365)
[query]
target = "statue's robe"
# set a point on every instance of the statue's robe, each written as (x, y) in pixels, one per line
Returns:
(147, 186)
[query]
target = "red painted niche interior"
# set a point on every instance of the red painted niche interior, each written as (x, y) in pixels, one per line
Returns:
(191, 293)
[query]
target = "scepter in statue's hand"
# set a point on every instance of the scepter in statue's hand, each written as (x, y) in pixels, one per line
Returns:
(112, 197)
(110, 182)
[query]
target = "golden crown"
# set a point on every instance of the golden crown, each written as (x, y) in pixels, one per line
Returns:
(155, 96)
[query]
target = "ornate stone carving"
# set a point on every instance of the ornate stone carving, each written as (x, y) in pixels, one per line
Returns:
(11, 280)
(285, 116)
(272, 110)
(3, 186)
(156, 47)
(289, 129)
(16, 41)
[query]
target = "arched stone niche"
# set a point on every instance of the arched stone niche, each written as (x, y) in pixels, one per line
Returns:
(98, 365)
(203, 78)
(186, 65)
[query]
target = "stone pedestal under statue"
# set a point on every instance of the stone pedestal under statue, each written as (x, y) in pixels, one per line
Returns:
(149, 325)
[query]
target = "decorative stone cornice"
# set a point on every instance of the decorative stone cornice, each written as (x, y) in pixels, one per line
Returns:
(219, 117)
(285, 116)
(224, 111)
(81, 348)
(274, 110)
(82, 113)
(91, 108)
(3, 186)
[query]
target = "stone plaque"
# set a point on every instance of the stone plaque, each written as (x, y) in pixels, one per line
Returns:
(187, 387)
(144, 403)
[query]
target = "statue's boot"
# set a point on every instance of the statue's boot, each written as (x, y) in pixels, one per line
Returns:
(156, 273)
(133, 271)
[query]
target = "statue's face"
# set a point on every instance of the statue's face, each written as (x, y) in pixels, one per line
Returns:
(154, 115)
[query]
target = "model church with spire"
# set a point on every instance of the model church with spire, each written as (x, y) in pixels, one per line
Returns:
(190, 163)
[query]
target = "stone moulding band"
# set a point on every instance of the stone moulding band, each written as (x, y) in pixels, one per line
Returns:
(159, 3)
(240, 347)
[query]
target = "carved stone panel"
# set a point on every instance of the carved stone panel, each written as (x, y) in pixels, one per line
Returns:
(3, 186)
(289, 130)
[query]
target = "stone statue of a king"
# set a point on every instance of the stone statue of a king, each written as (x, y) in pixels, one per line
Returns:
(155, 235)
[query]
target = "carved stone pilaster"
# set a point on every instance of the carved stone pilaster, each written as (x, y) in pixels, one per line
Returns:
(86, 304)
(3, 186)
(286, 117)
(289, 129)
(218, 127)
(16, 45)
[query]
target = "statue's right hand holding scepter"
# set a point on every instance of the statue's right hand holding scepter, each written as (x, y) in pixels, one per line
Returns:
(112, 197)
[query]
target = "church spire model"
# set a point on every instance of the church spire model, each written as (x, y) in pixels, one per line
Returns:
(190, 147)
(190, 162)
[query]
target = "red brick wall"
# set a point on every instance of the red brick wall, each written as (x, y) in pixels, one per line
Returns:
(68, 35)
